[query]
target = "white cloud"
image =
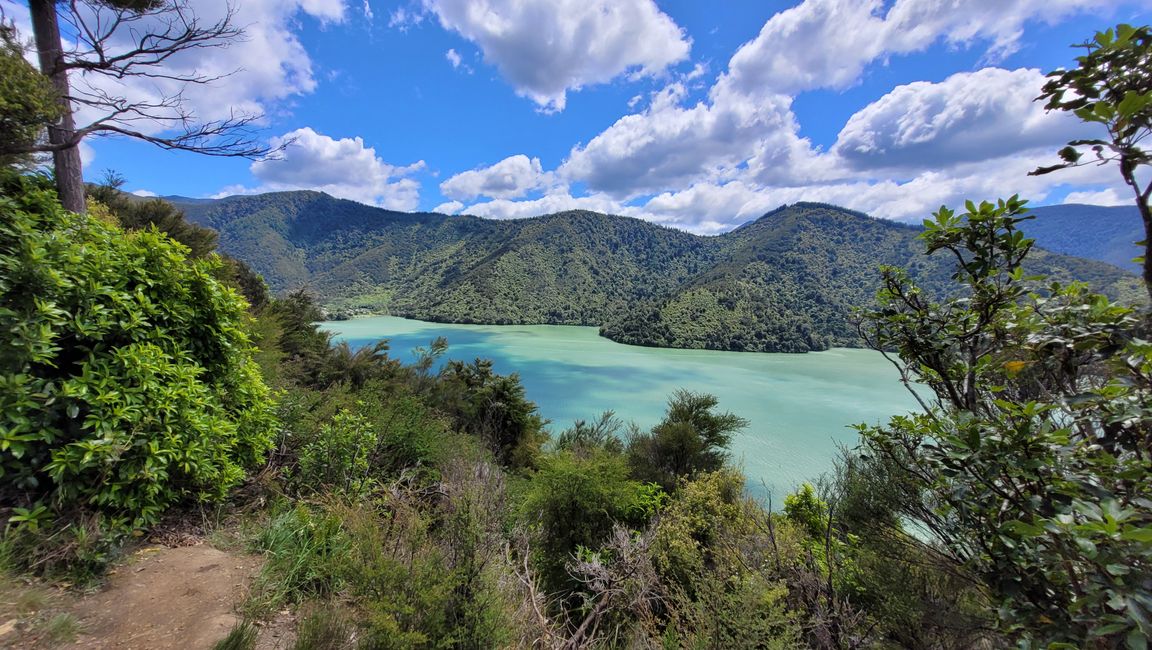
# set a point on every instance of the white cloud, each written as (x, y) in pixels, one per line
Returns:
(453, 57)
(711, 207)
(87, 154)
(404, 18)
(144, 193)
(367, 10)
(1110, 197)
(828, 43)
(669, 146)
(557, 201)
(744, 137)
(510, 178)
(257, 73)
(449, 207)
(969, 116)
(545, 48)
(344, 168)
(325, 10)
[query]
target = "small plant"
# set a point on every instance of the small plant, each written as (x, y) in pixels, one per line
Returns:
(305, 547)
(241, 637)
(337, 458)
(60, 629)
(323, 628)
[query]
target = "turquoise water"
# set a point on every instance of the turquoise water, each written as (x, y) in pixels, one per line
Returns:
(799, 406)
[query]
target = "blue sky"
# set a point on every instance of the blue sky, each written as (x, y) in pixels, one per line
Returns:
(698, 115)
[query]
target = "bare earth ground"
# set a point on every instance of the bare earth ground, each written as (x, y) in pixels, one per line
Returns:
(159, 597)
(184, 597)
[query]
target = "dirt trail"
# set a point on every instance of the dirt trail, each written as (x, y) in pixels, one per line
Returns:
(184, 597)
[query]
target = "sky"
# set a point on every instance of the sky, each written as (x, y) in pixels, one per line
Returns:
(695, 115)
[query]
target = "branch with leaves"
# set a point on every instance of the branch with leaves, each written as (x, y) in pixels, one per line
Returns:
(1112, 87)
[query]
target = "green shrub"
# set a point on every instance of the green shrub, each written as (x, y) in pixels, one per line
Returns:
(126, 376)
(241, 637)
(573, 502)
(337, 458)
(306, 548)
(400, 577)
(494, 408)
(323, 628)
(371, 438)
(1030, 469)
(690, 439)
(807, 510)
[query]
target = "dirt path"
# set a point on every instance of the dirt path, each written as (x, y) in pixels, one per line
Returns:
(182, 597)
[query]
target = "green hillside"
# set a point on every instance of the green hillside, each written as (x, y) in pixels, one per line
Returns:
(1108, 234)
(786, 282)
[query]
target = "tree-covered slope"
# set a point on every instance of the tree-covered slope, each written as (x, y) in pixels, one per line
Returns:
(785, 282)
(1108, 234)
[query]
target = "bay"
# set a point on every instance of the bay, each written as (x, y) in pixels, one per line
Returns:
(800, 407)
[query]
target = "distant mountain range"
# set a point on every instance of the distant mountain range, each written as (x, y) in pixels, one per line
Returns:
(1108, 234)
(786, 282)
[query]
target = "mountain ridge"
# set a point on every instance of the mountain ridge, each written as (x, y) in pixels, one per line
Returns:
(785, 282)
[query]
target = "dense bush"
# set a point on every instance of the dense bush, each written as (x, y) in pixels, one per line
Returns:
(691, 438)
(573, 502)
(492, 407)
(126, 376)
(1031, 463)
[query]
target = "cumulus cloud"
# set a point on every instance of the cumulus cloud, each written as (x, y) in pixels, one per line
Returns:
(546, 48)
(828, 43)
(449, 207)
(711, 207)
(510, 178)
(707, 207)
(557, 201)
(144, 193)
(344, 168)
(453, 57)
(668, 145)
(254, 74)
(969, 116)
(1109, 197)
(739, 150)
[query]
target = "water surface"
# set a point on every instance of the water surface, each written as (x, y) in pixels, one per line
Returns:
(800, 406)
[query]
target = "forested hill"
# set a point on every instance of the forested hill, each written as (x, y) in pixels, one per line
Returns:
(1108, 234)
(785, 282)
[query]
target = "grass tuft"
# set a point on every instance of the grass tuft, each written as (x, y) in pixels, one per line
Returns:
(241, 637)
(323, 628)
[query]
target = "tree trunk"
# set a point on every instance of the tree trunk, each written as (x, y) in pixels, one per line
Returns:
(1146, 215)
(66, 161)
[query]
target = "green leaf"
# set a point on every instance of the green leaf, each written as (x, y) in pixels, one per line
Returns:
(1143, 535)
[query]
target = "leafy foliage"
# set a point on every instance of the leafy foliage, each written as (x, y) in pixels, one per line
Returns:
(573, 502)
(127, 378)
(1111, 87)
(690, 439)
(27, 100)
(1029, 463)
(494, 408)
(722, 568)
